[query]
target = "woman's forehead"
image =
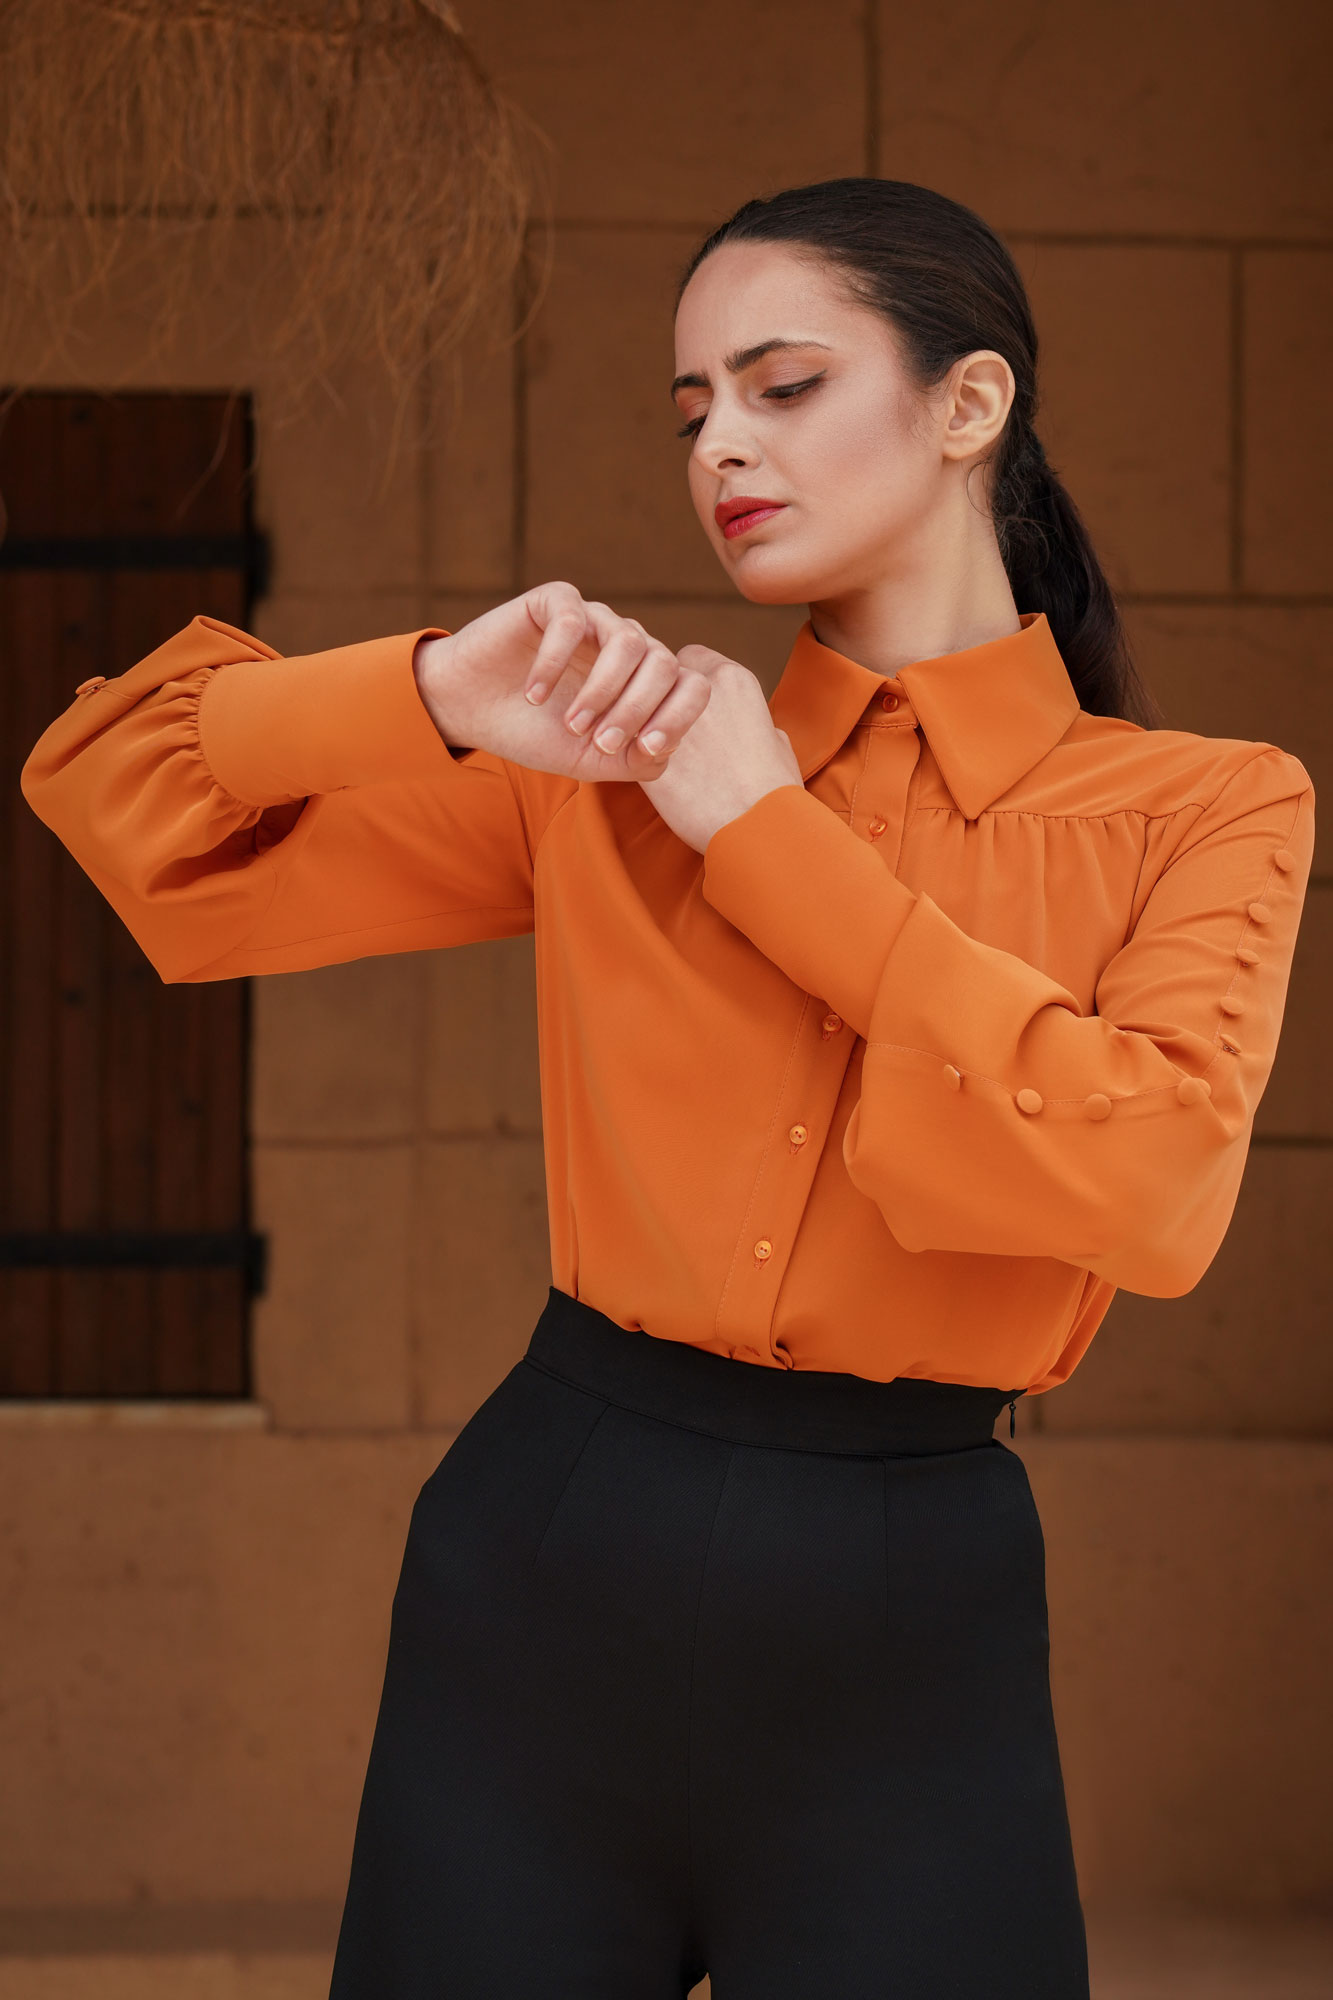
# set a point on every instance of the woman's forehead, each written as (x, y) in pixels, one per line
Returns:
(748, 293)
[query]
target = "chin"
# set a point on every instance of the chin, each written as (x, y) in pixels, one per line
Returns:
(767, 576)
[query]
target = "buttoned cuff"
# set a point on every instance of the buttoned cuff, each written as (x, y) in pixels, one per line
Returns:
(811, 895)
(275, 730)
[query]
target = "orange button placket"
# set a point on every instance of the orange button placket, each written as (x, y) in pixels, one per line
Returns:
(879, 807)
(869, 783)
(798, 1122)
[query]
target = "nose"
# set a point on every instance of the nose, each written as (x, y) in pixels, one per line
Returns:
(722, 445)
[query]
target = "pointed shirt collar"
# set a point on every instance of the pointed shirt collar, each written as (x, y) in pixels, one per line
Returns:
(989, 713)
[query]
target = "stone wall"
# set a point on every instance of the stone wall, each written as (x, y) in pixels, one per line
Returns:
(197, 1603)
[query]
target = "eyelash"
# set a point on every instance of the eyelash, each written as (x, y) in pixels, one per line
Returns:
(784, 394)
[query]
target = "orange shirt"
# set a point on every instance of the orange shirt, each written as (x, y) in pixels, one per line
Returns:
(904, 1076)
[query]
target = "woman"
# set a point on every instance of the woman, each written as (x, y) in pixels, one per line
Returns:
(885, 1031)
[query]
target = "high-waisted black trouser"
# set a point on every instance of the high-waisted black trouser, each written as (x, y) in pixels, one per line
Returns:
(697, 1666)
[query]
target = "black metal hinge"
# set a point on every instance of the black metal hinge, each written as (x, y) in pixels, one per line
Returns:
(249, 553)
(143, 1249)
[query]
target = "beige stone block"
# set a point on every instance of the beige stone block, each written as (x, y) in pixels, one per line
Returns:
(1246, 1353)
(1288, 423)
(331, 1332)
(1189, 1621)
(201, 1621)
(1255, 672)
(680, 113)
(340, 490)
(1298, 1102)
(1135, 386)
(337, 1052)
(181, 1976)
(608, 506)
(1183, 1955)
(315, 621)
(1113, 116)
(146, 1933)
(484, 1269)
(481, 1073)
(470, 471)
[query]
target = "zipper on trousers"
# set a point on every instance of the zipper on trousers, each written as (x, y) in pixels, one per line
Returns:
(1012, 1401)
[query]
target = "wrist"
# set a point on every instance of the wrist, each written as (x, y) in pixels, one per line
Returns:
(744, 801)
(431, 661)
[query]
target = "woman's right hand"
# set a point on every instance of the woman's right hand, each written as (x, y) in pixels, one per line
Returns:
(511, 680)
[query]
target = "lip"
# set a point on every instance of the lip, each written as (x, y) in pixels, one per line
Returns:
(738, 515)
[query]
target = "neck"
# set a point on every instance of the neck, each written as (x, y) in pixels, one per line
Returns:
(949, 595)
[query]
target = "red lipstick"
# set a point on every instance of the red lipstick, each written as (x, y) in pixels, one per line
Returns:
(737, 516)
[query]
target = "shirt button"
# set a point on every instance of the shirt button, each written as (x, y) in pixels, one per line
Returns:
(86, 687)
(1029, 1100)
(888, 700)
(798, 1135)
(953, 1077)
(830, 1025)
(1284, 859)
(1097, 1106)
(1191, 1089)
(1246, 956)
(1232, 1006)
(763, 1250)
(1260, 912)
(877, 827)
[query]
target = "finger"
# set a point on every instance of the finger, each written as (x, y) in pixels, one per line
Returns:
(560, 641)
(560, 617)
(661, 733)
(647, 687)
(703, 659)
(624, 648)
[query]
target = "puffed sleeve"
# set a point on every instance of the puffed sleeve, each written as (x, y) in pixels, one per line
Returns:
(245, 813)
(994, 1115)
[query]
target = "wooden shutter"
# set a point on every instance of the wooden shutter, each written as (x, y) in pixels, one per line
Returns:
(126, 1257)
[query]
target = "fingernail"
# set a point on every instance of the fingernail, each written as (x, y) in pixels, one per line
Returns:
(583, 720)
(654, 741)
(610, 740)
(536, 693)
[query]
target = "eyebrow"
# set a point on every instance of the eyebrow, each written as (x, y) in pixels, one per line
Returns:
(744, 357)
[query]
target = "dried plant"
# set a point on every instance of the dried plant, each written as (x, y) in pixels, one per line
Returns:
(137, 134)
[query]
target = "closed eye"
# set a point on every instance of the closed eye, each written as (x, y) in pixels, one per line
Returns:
(783, 393)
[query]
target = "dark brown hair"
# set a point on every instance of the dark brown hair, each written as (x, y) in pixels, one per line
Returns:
(948, 285)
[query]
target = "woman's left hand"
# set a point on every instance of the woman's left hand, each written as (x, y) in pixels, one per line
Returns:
(728, 758)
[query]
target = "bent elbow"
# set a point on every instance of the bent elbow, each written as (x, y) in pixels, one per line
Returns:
(1164, 1246)
(1155, 1270)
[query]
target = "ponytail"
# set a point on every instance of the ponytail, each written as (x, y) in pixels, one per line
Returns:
(948, 285)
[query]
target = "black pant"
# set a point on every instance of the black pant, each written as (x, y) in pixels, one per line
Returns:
(700, 1666)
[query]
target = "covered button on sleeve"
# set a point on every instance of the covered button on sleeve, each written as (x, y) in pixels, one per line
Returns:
(1133, 1171)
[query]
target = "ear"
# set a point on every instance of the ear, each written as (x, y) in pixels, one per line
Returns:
(978, 398)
